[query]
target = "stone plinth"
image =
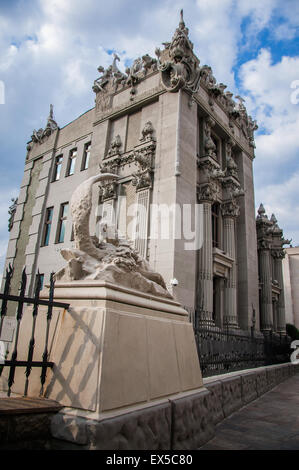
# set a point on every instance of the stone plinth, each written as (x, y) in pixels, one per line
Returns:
(124, 360)
(116, 347)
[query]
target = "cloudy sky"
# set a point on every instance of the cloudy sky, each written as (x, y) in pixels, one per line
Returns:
(50, 51)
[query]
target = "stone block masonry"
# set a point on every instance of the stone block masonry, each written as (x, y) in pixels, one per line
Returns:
(183, 422)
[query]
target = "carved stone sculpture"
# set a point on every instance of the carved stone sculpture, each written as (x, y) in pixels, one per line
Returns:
(149, 63)
(147, 132)
(209, 144)
(107, 84)
(230, 208)
(181, 69)
(11, 211)
(40, 135)
(100, 82)
(107, 259)
(115, 146)
(118, 76)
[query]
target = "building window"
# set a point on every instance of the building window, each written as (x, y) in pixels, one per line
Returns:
(62, 222)
(215, 225)
(86, 156)
(57, 170)
(47, 227)
(72, 162)
(39, 278)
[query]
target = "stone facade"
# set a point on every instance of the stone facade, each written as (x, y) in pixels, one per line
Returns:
(176, 139)
(270, 255)
(290, 265)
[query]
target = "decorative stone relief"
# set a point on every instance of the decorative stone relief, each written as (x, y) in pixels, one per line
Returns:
(108, 191)
(236, 111)
(107, 84)
(114, 147)
(40, 136)
(113, 79)
(278, 253)
(208, 192)
(112, 261)
(11, 211)
(179, 68)
(264, 228)
(251, 127)
(144, 158)
(147, 132)
(149, 64)
(231, 167)
(211, 175)
(132, 73)
(209, 144)
(261, 213)
(230, 183)
(230, 209)
(178, 64)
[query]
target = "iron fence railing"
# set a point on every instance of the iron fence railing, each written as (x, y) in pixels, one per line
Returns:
(222, 350)
(21, 300)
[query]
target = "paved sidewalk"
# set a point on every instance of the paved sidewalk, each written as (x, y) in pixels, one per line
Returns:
(269, 423)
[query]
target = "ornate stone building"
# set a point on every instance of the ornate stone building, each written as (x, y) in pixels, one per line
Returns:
(176, 138)
(270, 256)
(291, 280)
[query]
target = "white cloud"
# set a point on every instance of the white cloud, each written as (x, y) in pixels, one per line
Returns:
(282, 199)
(276, 166)
(51, 50)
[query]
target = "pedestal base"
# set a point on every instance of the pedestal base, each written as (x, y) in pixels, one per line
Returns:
(126, 370)
(116, 347)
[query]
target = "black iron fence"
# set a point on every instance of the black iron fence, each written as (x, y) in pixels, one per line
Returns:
(21, 300)
(222, 350)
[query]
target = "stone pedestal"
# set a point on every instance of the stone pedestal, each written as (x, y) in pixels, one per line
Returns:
(117, 347)
(126, 370)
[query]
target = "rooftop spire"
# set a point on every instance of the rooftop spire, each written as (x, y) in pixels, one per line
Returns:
(261, 211)
(51, 115)
(182, 23)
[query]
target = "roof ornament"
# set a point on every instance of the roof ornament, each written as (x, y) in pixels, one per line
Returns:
(40, 135)
(177, 63)
(261, 212)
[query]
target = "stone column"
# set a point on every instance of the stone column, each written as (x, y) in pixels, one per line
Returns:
(266, 289)
(205, 268)
(230, 211)
(281, 322)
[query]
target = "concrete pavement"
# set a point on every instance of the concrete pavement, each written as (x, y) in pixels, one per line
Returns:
(269, 423)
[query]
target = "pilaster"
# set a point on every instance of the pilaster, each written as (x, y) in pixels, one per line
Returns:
(230, 210)
(205, 268)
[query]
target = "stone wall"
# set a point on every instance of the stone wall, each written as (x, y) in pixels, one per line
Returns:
(178, 423)
(182, 422)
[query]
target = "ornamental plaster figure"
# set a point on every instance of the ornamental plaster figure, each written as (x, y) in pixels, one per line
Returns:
(107, 259)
